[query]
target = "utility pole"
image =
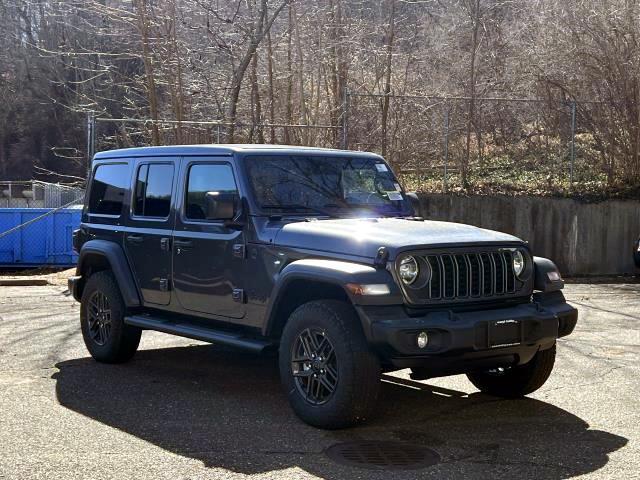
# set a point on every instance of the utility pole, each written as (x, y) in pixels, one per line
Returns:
(91, 139)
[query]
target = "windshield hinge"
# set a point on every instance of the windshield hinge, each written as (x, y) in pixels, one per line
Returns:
(239, 250)
(381, 258)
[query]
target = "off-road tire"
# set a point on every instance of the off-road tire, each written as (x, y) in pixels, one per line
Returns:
(123, 340)
(354, 398)
(518, 381)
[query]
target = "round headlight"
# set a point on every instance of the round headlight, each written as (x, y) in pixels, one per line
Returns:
(408, 270)
(518, 263)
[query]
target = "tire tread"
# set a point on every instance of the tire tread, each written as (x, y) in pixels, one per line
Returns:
(122, 348)
(359, 398)
(520, 381)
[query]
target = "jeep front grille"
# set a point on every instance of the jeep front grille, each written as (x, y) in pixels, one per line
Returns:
(466, 276)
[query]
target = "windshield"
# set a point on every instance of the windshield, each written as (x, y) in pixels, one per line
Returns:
(325, 185)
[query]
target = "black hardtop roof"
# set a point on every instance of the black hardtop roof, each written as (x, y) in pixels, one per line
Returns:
(223, 149)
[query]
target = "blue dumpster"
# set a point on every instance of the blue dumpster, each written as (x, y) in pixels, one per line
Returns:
(45, 242)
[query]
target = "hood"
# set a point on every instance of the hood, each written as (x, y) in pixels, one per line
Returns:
(363, 237)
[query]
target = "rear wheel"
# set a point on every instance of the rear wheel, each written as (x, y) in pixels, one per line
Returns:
(329, 373)
(514, 382)
(102, 312)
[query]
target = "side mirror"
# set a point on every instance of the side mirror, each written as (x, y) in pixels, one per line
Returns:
(221, 205)
(415, 202)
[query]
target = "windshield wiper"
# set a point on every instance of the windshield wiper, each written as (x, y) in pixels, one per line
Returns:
(300, 206)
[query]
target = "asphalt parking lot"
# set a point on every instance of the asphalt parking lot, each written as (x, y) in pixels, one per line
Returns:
(186, 410)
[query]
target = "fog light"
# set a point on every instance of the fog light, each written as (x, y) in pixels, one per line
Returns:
(423, 339)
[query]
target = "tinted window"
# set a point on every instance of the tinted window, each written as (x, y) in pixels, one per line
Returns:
(337, 185)
(153, 190)
(205, 178)
(107, 190)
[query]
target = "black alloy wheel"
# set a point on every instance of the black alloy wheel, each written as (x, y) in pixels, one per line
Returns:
(99, 317)
(102, 320)
(314, 366)
(329, 373)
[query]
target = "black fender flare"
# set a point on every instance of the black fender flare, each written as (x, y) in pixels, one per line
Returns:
(542, 282)
(334, 272)
(115, 256)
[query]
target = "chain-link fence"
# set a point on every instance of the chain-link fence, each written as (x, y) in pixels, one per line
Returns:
(436, 143)
(505, 141)
(433, 141)
(37, 220)
(110, 133)
(36, 194)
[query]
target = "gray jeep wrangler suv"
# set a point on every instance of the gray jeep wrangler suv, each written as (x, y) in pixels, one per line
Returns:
(315, 253)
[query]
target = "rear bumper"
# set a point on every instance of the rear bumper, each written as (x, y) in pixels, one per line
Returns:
(73, 283)
(464, 341)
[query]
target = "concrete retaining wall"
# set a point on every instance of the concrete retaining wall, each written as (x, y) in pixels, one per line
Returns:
(582, 238)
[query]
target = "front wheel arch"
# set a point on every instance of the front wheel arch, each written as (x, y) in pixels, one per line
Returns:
(296, 293)
(101, 255)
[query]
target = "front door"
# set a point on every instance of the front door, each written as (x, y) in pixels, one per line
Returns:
(147, 238)
(208, 257)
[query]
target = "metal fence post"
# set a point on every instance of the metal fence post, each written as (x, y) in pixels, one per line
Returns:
(91, 139)
(218, 129)
(573, 141)
(345, 112)
(446, 148)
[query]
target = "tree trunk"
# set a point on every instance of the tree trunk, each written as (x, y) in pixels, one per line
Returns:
(289, 105)
(337, 65)
(387, 81)
(262, 26)
(475, 15)
(177, 87)
(303, 105)
(255, 94)
(272, 115)
(152, 97)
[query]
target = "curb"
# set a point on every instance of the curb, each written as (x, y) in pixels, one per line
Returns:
(23, 282)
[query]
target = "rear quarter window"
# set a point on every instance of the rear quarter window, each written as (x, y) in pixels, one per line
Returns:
(108, 189)
(153, 190)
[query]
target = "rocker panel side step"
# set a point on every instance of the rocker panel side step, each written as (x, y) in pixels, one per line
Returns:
(198, 332)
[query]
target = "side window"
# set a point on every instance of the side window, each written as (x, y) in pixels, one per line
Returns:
(203, 178)
(108, 187)
(152, 196)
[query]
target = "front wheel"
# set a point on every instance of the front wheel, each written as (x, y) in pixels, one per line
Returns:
(330, 375)
(514, 382)
(102, 312)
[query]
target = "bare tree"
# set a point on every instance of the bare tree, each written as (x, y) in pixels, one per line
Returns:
(259, 26)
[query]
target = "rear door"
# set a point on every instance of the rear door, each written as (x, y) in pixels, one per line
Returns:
(208, 257)
(148, 237)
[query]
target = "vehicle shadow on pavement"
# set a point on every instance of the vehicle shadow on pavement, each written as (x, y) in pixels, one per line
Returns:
(226, 408)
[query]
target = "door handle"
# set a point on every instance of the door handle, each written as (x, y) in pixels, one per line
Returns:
(183, 243)
(134, 238)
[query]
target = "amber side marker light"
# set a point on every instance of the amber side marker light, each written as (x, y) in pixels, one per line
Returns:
(554, 276)
(369, 290)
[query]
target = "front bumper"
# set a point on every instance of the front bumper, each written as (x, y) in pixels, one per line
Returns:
(464, 341)
(73, 283)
